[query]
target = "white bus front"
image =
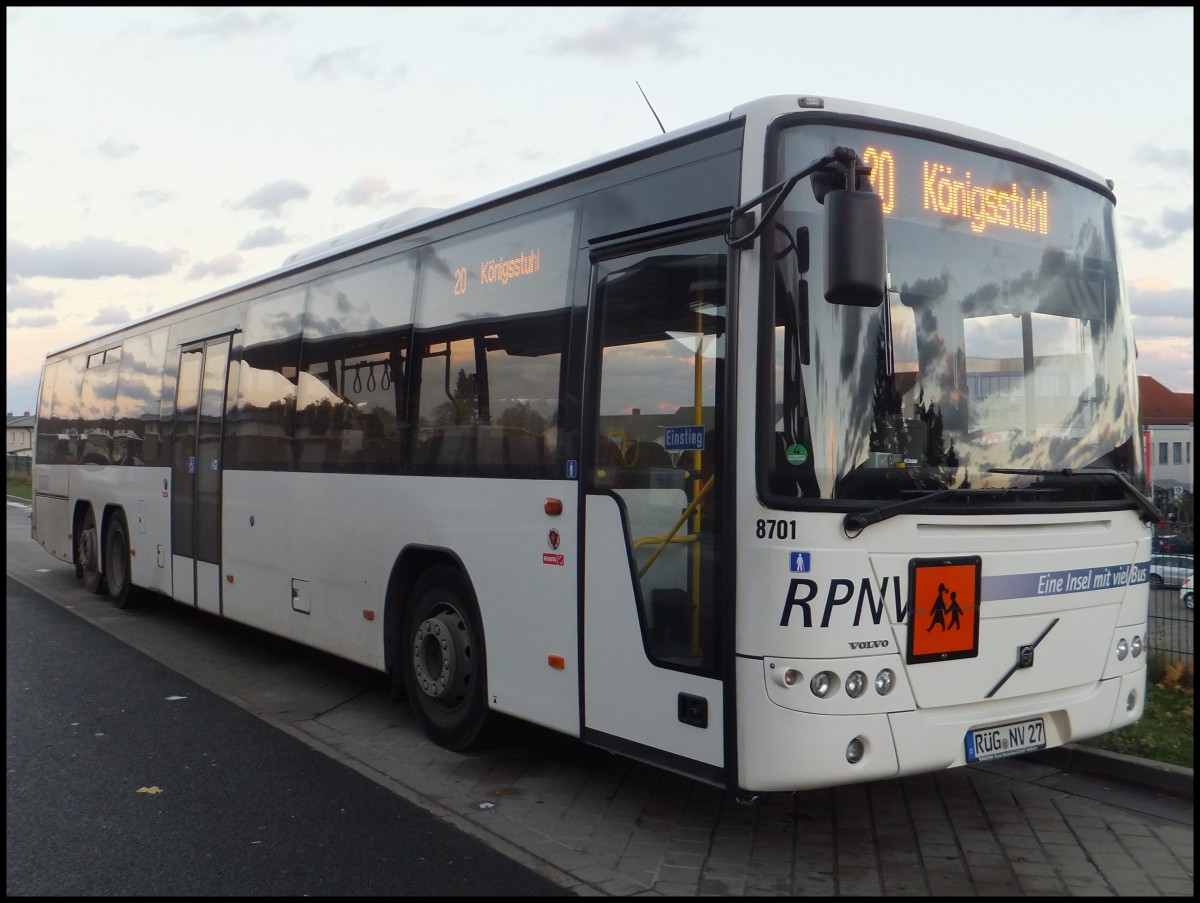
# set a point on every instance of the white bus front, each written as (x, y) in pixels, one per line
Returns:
(942, 558)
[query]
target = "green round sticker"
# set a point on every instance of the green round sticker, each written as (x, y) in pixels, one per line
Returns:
(797, 454)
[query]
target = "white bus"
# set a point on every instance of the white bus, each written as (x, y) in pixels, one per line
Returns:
(795, 448)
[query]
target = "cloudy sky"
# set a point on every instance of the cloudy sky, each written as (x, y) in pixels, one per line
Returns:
(157, 155)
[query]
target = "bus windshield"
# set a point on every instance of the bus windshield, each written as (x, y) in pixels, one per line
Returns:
(1004, 342)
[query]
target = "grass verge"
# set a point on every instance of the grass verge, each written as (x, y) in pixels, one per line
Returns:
(1165, 732)
(20, 490)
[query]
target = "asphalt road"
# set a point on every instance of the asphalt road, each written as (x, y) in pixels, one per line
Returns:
(127, 779)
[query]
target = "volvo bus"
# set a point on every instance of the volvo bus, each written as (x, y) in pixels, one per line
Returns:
(795, 448)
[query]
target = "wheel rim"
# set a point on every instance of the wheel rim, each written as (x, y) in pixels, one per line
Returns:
(87, 546)
(441, 657)
(116, 564)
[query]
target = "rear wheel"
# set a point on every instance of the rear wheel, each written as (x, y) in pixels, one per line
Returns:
(442, 656)
(1156, 580)
(116, 558)
(87, 553)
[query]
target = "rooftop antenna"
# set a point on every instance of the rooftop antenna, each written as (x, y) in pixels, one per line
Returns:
(650, 105)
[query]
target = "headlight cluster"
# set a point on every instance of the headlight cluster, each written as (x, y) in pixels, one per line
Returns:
(1126, 648)
(825, 684)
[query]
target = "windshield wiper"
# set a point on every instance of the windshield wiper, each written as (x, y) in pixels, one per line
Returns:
(1150, 512)
(857, 521)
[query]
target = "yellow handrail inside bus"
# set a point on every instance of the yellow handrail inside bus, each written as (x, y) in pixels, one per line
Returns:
(663, 541)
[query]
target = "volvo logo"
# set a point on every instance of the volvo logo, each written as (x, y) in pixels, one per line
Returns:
(871, 644)
(1024, 658)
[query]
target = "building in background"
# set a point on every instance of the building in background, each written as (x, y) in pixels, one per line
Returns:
(1169, 417)
(20, 434)
(18, 463)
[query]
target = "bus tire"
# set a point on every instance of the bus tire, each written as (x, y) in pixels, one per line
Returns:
(87, 553)
(117, 573)
(443, 659)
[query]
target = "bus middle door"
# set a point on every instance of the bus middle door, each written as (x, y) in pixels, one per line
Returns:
(652, 562)
(196, 473)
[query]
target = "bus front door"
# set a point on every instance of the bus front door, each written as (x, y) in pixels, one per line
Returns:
(196, 474)
(653, 575)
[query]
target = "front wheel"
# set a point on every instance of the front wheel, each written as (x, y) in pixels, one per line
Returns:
(116, 558)
(87, 553)
(442, 654)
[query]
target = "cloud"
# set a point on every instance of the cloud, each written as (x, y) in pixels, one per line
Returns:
(222, 24)
(1180, 221)
(352, 62)
(370, 191)
(1176, 159)
(1163, 314)
(86, 258)
(225, 265)
(19, 388)
(114, 150)
(658, 31)
(22, 297)
(1175, 224)
(152, 197)
(270, 198)
(40, 321)
(110, 316)
(266, 237)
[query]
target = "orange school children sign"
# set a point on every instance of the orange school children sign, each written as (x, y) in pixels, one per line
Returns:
(943, 606)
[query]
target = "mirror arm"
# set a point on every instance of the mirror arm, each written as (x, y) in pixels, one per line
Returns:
(778, 194)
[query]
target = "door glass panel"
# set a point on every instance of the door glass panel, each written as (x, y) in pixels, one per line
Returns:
(656, 442)
(208, 453)
(183, 462)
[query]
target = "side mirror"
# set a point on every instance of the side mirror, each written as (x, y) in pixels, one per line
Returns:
(855, 262)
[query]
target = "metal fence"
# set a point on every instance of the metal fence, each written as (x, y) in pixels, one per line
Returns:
(1172, 628)
(20, 468)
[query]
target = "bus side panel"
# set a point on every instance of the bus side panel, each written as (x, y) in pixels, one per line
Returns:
(51, 523)
(305, 555)
(139, 493)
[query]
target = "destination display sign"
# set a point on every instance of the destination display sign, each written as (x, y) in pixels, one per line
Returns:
(911, 186)
(516, 267)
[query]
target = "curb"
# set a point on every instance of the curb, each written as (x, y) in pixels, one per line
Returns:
(1174, 780)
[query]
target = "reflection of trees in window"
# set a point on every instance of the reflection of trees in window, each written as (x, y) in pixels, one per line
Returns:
(919, 439)
(523, 416)
(488, 396)
(889, 432)
(460, 408)
(934, 453)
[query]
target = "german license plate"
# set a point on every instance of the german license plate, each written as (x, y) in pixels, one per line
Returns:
(1000, 740)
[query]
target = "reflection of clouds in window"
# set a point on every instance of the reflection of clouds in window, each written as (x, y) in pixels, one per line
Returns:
(640, 376)
(367, 298)
(262, 388)
(274, 317)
